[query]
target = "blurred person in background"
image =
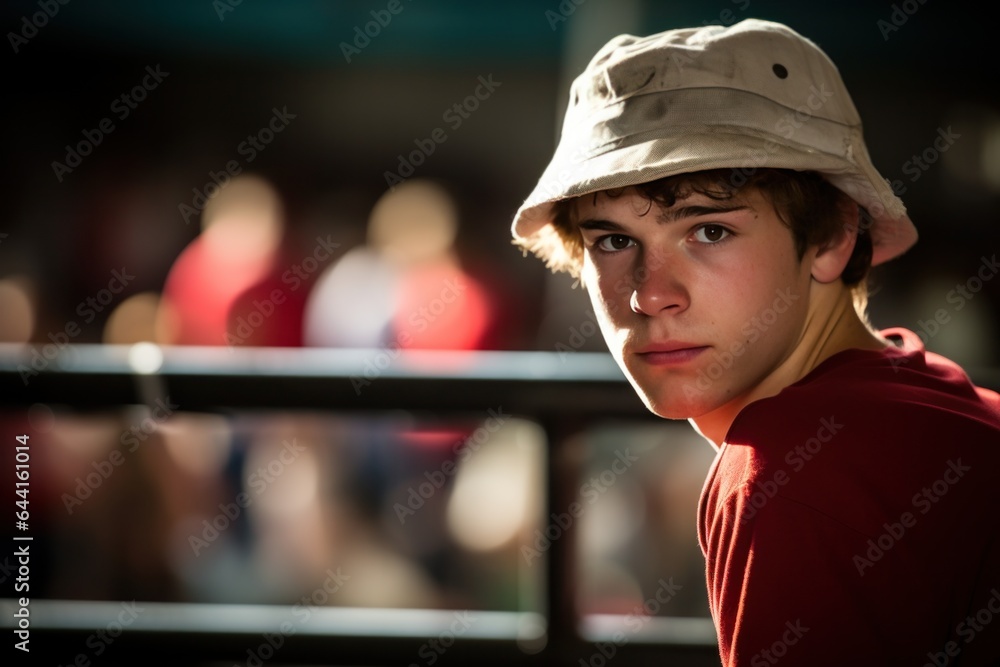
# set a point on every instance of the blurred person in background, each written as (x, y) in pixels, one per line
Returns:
(406, 287)
(19, 305)
(242, 230)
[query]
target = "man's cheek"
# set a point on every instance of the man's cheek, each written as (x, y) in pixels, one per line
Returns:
(613, 330)
(622, 289)
(609, 308)
(609, 298)
(618, 297)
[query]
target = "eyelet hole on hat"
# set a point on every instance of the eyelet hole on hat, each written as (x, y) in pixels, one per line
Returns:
(780, 71)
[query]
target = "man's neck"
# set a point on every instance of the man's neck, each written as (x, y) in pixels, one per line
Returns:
(832, 325)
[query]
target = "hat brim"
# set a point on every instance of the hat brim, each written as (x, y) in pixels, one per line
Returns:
(569, 176)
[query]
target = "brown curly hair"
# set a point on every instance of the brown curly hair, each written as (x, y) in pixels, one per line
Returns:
(813, 209)
(805, 202)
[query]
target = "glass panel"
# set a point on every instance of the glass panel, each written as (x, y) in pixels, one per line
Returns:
(397, 511)
(638, 537)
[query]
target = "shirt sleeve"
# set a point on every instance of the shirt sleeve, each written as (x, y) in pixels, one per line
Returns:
(784, 587)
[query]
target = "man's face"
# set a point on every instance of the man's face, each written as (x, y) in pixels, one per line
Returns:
(698, 303)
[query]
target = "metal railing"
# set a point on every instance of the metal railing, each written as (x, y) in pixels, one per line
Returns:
(564, 393)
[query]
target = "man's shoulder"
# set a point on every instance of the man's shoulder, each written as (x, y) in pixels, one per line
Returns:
(878, 395)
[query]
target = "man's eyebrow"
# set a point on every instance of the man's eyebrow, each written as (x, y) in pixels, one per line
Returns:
(600, 225)
(670, 215)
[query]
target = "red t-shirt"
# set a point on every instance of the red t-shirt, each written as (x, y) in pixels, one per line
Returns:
(851, 519)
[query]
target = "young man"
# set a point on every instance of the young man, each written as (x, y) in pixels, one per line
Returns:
(713, 192)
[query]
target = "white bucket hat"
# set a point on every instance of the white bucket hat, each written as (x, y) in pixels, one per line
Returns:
(755, 94)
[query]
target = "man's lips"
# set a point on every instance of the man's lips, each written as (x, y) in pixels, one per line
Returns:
(670, 353)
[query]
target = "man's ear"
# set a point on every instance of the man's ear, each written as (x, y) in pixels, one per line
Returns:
(830, 258)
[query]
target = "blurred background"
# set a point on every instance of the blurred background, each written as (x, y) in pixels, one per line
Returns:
(343, 175)
(319, 118)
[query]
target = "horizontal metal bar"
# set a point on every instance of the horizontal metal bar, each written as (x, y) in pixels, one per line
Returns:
(122, 632)
(206, 378)
(248, 619)
(321, 362)
(643, 629)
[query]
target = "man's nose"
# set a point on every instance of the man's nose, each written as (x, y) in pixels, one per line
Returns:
(658, 287)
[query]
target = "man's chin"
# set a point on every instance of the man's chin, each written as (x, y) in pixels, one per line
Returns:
(671, 395)
(668, 408)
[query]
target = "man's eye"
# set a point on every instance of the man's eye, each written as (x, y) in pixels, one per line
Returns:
(614, 242)
(711, 233)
